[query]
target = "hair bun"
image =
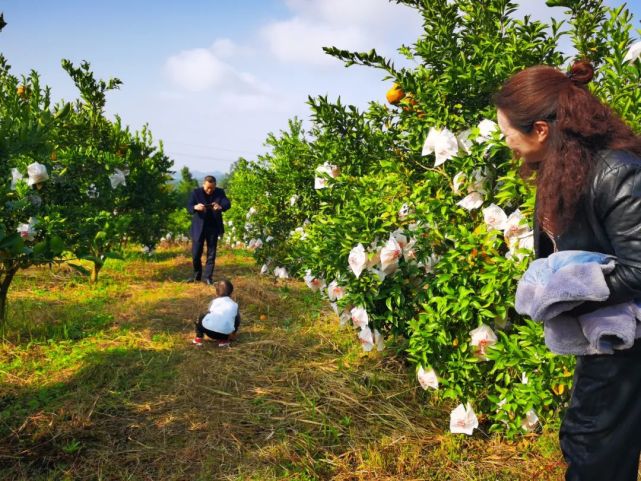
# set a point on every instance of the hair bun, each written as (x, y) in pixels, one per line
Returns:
(581, 72)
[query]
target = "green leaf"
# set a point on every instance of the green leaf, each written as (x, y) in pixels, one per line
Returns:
(560, 3)
(56, 245)
(12, 243)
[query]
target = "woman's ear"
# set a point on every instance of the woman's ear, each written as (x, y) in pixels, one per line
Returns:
(542, 131)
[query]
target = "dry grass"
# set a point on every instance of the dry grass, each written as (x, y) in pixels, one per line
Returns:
(293, 399)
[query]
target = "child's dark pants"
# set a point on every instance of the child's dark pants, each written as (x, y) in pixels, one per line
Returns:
(201, 331)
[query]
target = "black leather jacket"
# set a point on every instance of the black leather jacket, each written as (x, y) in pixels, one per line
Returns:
(607, 220)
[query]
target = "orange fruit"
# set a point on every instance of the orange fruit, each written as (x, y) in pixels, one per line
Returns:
(395, 94)
(21, 91)
(263, 317)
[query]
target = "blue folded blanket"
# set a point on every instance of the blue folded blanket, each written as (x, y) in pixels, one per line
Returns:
(552, 286)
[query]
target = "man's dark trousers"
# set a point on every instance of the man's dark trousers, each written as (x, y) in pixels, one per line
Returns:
(209, 236)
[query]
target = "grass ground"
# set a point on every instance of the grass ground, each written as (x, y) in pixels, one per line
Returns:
(102, 383)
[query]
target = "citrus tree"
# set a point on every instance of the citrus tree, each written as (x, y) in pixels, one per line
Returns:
(30, 228)
(273, 196)
(73, 184)
(179, 219)
(111, 184)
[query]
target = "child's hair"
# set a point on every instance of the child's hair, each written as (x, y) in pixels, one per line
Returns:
(224, 288)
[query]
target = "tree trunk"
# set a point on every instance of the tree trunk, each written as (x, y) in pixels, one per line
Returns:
(4, 291)
(95, 271)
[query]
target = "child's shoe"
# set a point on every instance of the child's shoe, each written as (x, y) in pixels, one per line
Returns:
(224, 344)
(198, 341)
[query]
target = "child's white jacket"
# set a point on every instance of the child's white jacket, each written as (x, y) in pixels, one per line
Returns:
(221, 316)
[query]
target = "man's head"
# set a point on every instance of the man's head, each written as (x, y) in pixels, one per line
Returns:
(224, 288)
(209, 184)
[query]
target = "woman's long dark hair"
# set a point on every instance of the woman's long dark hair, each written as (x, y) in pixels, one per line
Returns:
(579, 126)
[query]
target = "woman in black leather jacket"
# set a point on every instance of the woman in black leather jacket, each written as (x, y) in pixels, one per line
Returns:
(587, 163)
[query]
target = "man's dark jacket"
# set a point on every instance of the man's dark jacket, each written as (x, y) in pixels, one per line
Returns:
(198, 219)
(607, 220)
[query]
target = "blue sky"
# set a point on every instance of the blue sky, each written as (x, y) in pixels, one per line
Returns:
(213, 78)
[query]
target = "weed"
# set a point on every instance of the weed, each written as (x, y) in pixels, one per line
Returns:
(72, 446)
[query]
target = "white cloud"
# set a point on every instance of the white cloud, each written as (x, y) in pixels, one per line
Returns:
(226, 48)
(348, 24)
(196, 70)
(300, 41)
(202, 69)
(365, 14)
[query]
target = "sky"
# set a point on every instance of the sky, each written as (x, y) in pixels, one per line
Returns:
(213, 78)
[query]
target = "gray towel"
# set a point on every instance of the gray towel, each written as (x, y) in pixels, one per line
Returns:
(563, 335)
(603, 331)
(552, 286)
(611, 328)
(544, 294)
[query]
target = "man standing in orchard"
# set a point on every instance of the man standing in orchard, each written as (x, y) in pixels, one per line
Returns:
(206, 205)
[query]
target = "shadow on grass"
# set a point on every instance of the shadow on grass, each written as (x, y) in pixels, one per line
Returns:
(51, 427)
